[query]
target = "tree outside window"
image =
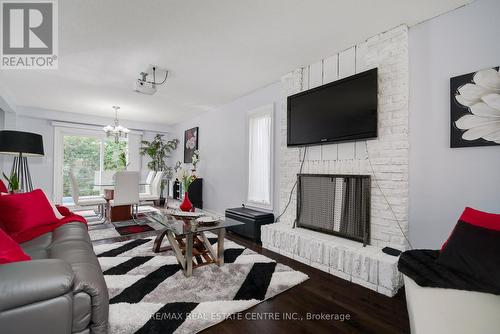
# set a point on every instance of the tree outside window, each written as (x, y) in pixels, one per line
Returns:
(82, 154)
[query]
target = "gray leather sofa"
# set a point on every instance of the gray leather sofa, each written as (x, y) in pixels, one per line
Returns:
(61, 290)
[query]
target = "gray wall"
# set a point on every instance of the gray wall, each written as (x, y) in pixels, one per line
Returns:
(443, 180)
(223, 148)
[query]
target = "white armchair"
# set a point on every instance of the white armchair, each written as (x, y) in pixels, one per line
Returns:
(95, 201)
(155, 189)
(103, 177)
(148, 187)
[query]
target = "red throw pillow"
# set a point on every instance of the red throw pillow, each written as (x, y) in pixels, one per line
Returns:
(20, 213)
(10, 251)
(3, 188)
(491, 221)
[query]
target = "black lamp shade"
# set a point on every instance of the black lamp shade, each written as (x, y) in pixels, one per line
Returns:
(15, 142)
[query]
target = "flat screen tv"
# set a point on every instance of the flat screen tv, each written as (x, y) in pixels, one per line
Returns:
(343, 110)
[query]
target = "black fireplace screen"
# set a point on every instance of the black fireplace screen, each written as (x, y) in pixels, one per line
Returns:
(335, 204)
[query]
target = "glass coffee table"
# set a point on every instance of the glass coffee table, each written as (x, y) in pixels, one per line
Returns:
(188, 240)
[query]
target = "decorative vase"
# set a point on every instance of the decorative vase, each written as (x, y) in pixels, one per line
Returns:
(186, 204)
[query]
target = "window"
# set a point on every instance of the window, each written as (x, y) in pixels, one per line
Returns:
(84, 155)
(260, 157)
(91, 156)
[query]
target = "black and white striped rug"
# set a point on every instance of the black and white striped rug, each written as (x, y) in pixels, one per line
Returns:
(150, 294)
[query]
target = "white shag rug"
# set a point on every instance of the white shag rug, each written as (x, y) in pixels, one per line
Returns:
(150, 294)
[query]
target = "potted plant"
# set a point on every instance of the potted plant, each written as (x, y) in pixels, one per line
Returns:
(159, 151)
(186, 180)
(13, 181)
(169, 174)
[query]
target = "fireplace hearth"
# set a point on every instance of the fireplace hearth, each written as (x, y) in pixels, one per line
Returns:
(335, 204)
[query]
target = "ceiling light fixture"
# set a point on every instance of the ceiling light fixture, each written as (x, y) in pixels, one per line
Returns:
(117, 131)
(148, 87)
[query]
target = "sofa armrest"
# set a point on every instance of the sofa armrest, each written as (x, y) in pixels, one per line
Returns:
(28, 282)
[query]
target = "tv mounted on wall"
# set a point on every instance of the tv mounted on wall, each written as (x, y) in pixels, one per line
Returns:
(343, 110)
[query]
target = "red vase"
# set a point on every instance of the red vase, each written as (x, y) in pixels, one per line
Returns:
(186, 204)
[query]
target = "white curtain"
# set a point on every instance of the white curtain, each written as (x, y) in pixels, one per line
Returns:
(259, 158)
(134, 158)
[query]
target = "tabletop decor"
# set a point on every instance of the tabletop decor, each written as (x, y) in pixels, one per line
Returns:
(475, 109)
(184, 214)
(186, 180)
(207, 220)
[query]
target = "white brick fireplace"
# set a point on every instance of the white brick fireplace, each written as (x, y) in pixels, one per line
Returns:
(388, 155)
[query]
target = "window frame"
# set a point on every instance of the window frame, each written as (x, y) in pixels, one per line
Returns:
(263, 110)
(61, 130)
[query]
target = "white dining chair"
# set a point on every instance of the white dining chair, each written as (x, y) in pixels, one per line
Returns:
(103, 178)
(155, 189)
(95, 201)
(148, 187)
(126, 190)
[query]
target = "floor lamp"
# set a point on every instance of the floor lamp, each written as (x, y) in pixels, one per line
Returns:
(22, 145)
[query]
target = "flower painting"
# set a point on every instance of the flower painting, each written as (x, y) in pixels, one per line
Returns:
(475, 109)
(190, 144)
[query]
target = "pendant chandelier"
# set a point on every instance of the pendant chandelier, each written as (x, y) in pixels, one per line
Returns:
(117, 131)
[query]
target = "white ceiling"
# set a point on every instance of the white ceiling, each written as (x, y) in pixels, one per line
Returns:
(216, 50)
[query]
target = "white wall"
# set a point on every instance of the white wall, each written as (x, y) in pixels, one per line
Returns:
(223, 148)
(444, 180)
(9, 123)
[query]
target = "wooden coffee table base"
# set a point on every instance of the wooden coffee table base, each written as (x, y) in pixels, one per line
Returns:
(192, 250)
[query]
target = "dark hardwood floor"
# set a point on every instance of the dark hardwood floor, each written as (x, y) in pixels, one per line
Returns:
(321, 294)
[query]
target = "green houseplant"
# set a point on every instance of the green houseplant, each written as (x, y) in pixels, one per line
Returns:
(13, 181)
(159, 151)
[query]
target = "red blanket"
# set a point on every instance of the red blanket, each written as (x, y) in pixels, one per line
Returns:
(39, 230)
(69, 216)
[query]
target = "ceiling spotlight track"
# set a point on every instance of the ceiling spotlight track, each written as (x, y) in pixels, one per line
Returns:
(147, 82)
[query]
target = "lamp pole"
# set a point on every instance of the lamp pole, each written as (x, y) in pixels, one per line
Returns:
(21, 168)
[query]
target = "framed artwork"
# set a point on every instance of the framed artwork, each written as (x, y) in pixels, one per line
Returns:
(475, 109)
(190, 144)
